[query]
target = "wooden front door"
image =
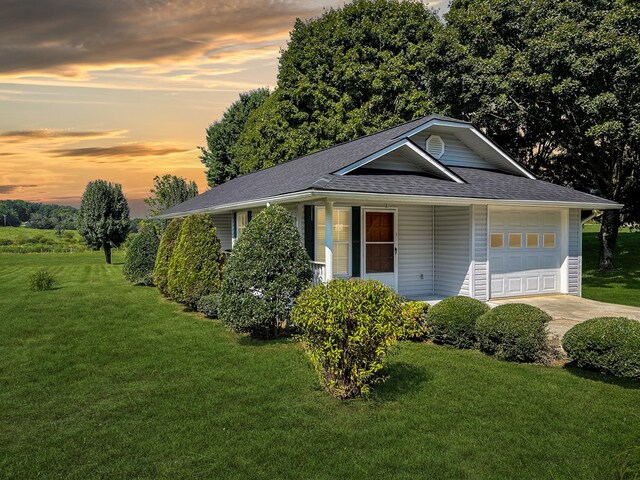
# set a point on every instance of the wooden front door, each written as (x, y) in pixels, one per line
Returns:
(380, 247)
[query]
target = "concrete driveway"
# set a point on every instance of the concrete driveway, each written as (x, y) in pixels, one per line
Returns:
(567, 310)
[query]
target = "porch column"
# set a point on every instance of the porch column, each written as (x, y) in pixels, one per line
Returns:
(328, 241)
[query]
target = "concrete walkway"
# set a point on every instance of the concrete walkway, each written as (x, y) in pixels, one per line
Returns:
(567, 310)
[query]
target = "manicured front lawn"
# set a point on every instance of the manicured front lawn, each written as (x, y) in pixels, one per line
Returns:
(622, 285)
(102, 379)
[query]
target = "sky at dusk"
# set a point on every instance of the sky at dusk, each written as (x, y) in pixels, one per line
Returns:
(123, 90)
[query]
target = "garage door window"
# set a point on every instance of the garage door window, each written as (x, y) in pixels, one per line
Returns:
(497, 240)
(533, 240)
(515, 240)
(549, 240)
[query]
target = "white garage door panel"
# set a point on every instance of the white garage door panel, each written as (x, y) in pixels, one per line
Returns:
(527, 270)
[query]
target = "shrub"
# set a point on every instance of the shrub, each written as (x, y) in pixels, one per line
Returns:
(453, 320)
(414, 320)
(267, 270)
(208, 305)
(41, 280)
(347, 328)
(165, 250)
(5, 241)
(140, 256)
(514, 332)
(195, 268)
(608, 344)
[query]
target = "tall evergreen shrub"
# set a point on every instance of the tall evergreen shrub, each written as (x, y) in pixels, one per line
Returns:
(141, 256)
(165, 250)
(267, 270)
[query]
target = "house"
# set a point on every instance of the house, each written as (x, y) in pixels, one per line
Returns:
(432, 208)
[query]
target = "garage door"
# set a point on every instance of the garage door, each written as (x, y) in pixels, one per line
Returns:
(524, 252)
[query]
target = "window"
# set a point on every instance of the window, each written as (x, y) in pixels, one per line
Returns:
(242, 219)
(549, 240)
(497, 240)
(533, 240)
(515, 240)
(341, 239)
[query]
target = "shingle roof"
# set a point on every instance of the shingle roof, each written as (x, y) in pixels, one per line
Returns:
(314, 171)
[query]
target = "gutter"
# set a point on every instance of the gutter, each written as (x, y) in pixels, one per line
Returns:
(314, 194)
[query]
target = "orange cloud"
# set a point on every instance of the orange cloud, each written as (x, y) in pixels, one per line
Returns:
(38, 136)
(125, 153)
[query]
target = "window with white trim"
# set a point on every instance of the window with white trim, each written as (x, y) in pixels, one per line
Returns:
(242, 220)
(341, 239)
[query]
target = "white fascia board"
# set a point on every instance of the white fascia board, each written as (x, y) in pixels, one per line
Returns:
(312, 195)
(479, 134)
(372, 157)
(432, 161)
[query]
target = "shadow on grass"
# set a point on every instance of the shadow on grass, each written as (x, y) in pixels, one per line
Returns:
(248, 341)
(402, 379)
(602, 377)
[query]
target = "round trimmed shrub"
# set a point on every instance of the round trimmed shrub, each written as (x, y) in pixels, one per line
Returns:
(607, 344)
(453, 320)
(195, 268)
(414, 320)
(141, 256)
(267, 270)
(208, 305)
(516, 332)
(347, 328)
(165, 251)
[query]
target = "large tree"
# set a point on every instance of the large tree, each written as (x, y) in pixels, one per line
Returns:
(168, 191)
(348, 73)
(218, 157)
(103, 218)
(556, 84)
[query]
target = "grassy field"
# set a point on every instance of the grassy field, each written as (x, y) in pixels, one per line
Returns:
(622, 285)
(31, 240)
(100, 379)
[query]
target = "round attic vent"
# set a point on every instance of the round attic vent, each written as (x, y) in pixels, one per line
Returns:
(435, 146)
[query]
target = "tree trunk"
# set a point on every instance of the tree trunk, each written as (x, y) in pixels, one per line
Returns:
(107, 253)
(608, 236)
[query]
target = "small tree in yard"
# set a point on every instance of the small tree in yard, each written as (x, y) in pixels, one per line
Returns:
(103, 218)
(195, 268)
(267, 270)
(141, 255)
(347, 329)
(165, 251)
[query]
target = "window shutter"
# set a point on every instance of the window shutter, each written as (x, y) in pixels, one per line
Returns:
(235, 225)
(309, 232)
(249, 215)
(355, 241)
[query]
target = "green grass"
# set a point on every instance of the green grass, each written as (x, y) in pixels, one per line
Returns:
(31, 240)
(622, 285)
(100, 379)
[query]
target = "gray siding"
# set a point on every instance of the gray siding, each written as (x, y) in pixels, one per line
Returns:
(452, 250)
(394, 161)
(456, 153)
(223, 228)
(415, 251)
(575, 253)
(480, 274)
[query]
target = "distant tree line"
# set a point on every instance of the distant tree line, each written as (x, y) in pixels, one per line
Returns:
(555, 83)
(14, 213)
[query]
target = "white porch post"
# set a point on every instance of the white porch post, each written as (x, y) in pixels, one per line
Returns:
(328, 241)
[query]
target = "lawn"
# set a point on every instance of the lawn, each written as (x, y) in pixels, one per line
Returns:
(100, 379)
(622, 285)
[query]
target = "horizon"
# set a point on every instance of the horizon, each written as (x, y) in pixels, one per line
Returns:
(81, 103)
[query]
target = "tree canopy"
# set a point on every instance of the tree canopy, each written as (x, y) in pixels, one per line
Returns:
(103, 218)
(168, 191)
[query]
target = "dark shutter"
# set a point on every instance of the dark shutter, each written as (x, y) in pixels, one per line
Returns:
(355, 241)
(249, 215)
(309, 232)
(235, 225)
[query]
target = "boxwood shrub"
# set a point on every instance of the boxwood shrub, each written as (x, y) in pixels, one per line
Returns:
(414, 320)
(141, 255)
(608, 344)
(267, 270)
(453, 321)
(516, 332)
(165, 251)
(347, 328)
(208, 305)
(195, 268)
